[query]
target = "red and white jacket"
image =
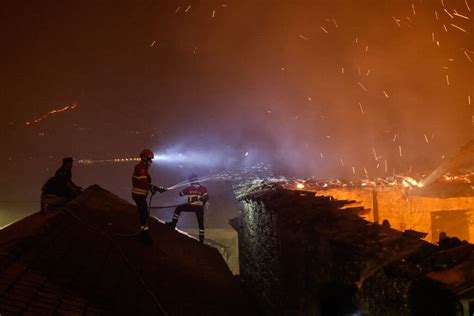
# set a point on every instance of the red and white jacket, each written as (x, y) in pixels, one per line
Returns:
(197, 194)
(141, 180)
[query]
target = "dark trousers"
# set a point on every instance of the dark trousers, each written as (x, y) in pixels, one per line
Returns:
(198, 210)
(51, 202)
(142, 207)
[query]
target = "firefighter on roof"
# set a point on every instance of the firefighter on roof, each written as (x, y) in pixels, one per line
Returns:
(197, 199)
(141, 182)
(60, 189)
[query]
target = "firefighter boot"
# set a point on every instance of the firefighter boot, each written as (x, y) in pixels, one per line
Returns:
(173, 223)
(201, 236)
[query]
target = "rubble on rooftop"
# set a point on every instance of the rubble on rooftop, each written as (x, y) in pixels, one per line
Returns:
(440, 202)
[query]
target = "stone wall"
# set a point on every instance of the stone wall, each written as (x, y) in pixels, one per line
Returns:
(258, 255)
(281, 263)
(306, 255)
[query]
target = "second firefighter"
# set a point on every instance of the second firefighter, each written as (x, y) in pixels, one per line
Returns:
(197, 199)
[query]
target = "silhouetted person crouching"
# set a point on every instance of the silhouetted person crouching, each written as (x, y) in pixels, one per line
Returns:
(59, 189)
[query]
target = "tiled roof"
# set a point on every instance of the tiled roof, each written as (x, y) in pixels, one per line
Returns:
(76, 262)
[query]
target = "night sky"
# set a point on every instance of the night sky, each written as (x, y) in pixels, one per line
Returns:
(279, 80)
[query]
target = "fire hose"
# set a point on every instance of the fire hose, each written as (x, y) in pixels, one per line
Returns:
(149, 208)
(153, 207)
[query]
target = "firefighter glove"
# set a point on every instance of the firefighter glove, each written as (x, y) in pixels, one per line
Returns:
(161, 189)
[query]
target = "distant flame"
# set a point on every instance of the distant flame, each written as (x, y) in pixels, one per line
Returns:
(66, 108)
(300, 185)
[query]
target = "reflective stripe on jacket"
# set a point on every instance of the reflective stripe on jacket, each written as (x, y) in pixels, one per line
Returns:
(197, 194)
(141, 180)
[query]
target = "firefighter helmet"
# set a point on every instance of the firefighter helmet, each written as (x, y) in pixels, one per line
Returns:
(147, 153)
